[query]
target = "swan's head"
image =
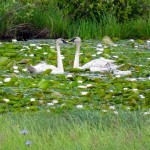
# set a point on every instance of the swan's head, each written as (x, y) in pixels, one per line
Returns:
(61, 41)
(76, 40)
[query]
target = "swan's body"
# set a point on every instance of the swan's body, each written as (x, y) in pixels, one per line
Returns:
(41, 67)
(94, 65)
(106, 68)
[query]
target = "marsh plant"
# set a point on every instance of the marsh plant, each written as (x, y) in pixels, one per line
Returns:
(75, 129)
(71, 18)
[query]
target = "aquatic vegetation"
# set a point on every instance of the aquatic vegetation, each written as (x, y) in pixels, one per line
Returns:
(22, 91)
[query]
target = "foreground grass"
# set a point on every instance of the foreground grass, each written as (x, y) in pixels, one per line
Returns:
(75, 130)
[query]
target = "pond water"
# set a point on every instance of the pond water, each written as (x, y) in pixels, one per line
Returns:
(22, 91)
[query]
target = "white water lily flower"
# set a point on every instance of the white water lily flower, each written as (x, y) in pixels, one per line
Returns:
(100, 49)
(132, 79)
(118, 76)
(135, 46)
(94, 55)
(80, 81)
(32, 99)
(84, 93)
(104, 110)
(69, 75)
(23, 49)
(52, 47)
(25, 69)
(15, 67)
(45, 53)
(26, 47)
(89, 85)
(6, 100)
(141, 96)
(135, 90)
(111, 91)
(112, 107)
(7, 79)
(82, 86)
(116, 112)
(27, 107)
(50, 104)
(115, 45)
(79, 106)
(1, 82)
(115, 56)
(131, 40)
(32, 45)
(148, 58)
(55, 101)
(38, 47)
(99, 45)
(16, 71)
(125, 88)
(98, 53)
(105, 46)
(14, 40)
(31, 55)
(146, 113)
(128, 108)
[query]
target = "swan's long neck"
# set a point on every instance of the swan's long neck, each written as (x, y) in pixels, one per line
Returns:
(59, 59)
(76, 60)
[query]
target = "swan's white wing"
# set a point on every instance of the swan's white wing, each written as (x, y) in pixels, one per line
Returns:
(99, 69)
(41, 67)
(94, 63)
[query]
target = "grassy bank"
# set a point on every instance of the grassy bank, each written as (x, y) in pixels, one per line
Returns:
(60, 24)
(84, 130)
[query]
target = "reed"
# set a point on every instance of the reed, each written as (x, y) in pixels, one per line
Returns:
(44, 14)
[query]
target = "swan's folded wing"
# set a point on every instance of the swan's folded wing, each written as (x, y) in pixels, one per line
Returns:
(95, 63)
(43, 67)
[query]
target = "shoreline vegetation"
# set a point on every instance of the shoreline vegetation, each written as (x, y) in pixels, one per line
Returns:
(90, 20)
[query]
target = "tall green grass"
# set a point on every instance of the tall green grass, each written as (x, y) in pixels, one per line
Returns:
(49, 15)
(74, 130)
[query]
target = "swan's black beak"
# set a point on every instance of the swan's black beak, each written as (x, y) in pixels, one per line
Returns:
(72, 40)
(65, 42)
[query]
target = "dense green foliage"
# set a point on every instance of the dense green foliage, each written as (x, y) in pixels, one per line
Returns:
(88, 19)
(122, 9)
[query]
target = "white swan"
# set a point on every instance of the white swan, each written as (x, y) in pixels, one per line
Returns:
(94, 65)
(41, 67)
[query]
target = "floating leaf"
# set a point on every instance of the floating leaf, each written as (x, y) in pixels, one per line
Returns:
(3, 60)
